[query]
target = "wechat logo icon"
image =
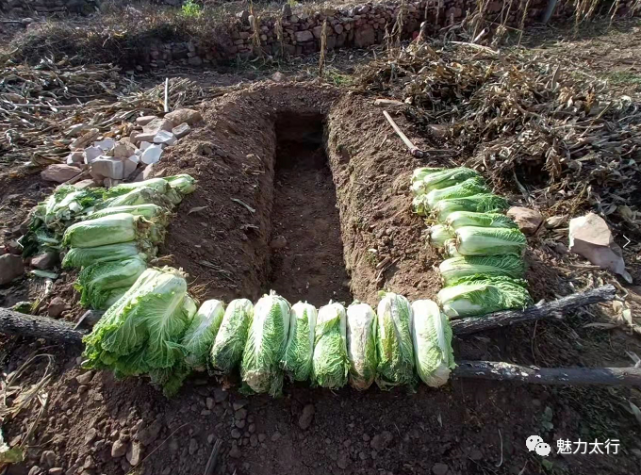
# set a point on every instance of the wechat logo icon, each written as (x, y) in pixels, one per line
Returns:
(534, 443)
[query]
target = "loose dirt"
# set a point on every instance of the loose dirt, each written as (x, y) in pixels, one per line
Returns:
(227, 237)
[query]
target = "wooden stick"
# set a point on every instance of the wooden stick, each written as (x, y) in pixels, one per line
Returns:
(556, 308)
(557, 376)
(166, 105)
(413, 149)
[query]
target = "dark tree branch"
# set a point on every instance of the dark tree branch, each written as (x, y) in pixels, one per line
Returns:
(531, 374)
(556, 308)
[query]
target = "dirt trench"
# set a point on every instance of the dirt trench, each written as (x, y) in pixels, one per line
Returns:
(304, 190)
(297, 196)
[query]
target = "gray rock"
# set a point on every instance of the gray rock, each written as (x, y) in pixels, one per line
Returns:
(304, 36)
(262, 438)
(90, 154)
(144, 120)
(134, 453)
(235, 451)
(275, 436)
(184, 115)
(11, 267)
(48, 459)
(307, 416)
(235, 433)
(85, 378)
(181, 130)
(195, 61)
(193, 446)
(35, 470)
(155, 125)
(107, 167)
(148, 434)
(239, 404)
(56, 307)
(59, 173)
(91, 435)
(591, 238)
(165, 138)
(220, 395)
(152, 154)
(381, 441)
(440, 469)
(209, 403)
(241, 414)
(75, 158)
(118, 449)
(56, 471)
(528, 220)
(287, 10)
(45, 261)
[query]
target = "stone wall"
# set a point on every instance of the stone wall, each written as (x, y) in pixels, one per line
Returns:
(298, 32)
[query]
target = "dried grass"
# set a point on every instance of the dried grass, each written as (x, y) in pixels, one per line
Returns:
(554, 133)
(43, 108)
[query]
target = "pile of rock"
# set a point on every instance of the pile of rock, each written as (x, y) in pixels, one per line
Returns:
(110, 159)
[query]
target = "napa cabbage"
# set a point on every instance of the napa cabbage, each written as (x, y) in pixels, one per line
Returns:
(113, 229)
(439, 235)
(480, 295)
(227, 351)
(297, 361)
(361, 345)
(260, 368)
(201, 333)
(458, 219)
(84, 256)
(485, 202)
(102, 283)
(475, 241)
(432, 338)
(395, 352)
(464, 266)
(469, 187)
(330, 364)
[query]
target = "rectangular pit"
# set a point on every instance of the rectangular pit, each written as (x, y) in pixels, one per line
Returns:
(306, 260)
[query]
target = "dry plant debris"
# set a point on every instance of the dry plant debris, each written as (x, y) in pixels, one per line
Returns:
(549, 131)
(43, 108)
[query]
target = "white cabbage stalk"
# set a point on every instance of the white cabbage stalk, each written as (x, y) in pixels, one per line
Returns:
(419, 205)
(439, 235)
(458, 219)
(394, 342)
(300, 345)
(432, 338)
(449, 248)
(201, 333)
(266, 342)
(476, 241)
(480, 295)
(229, 344)
(330, 361)
(361, 345)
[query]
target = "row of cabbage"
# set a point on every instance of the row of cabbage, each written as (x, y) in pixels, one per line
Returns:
(110, 234)
(156, 330)
(484, 269)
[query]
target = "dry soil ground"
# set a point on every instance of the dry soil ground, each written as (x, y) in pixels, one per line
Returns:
(327, 181)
